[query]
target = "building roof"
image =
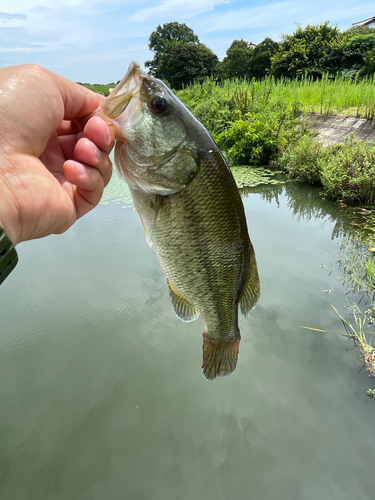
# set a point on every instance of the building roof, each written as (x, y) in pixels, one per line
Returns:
(365, 22)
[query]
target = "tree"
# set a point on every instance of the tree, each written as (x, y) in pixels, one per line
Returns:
(184, 63)
(369, 64)
(163, 39)
(260, 62)
(361, 30)
(356, 49)
(236, 62)
(307, 51)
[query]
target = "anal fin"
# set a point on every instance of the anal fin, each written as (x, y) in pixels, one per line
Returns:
(251, 292)
(183, 309)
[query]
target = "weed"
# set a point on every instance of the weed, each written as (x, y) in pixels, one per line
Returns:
(356, 332)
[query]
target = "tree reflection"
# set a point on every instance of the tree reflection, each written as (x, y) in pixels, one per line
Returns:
(351, 226)
(305, 203)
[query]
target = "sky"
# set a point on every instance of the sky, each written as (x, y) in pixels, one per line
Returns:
(94, 41)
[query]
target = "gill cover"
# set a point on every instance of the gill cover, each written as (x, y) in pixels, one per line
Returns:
(154, 151)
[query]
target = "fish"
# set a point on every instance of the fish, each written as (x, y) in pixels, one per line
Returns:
(190, 208)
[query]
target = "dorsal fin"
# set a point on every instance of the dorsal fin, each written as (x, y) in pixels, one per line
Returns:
(251, 292)
(183, 309)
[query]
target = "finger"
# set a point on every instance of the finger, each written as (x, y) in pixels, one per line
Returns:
(97, 131)
(68, 144)
(83, 176)
(84, 184)
(78, 100)
(88, 153)
(68, 127)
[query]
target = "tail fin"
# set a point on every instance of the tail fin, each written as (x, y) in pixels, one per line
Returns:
(219, 359)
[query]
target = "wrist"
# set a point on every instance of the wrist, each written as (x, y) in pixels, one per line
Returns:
(8, 256)
(9, 217)
(8, 228)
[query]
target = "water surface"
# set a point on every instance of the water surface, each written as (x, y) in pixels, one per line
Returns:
(102, 395)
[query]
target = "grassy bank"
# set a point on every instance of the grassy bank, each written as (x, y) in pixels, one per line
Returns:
(255, 123)
(326, 96)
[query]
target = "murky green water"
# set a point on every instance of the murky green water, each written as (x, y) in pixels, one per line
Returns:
(102, 395)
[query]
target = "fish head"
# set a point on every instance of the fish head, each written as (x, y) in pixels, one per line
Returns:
(155, 150)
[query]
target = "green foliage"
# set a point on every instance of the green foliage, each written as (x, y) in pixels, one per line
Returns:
(355, 51)
(345, 171)
(184, 63)
(303, 161)
(254, 138)
(368, 67)
(236, 62)
(241, 118)
(307, 51)
(254, 123)
(349, 172)
(260, 62)
(164, 38)
(246, 176)
(179, 56)
(361, 30)
(98, 88)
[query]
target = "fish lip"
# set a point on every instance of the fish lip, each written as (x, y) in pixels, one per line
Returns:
(133, 78)
(121, 95)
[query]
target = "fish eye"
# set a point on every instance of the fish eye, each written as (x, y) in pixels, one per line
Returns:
(159, 105)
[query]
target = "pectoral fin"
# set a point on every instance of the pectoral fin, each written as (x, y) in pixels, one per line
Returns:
(183, 309)
(251, 292)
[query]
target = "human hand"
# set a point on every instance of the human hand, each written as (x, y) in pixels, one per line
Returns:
(53, 168)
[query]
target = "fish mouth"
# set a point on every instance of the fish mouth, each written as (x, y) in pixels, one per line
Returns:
(121, 95)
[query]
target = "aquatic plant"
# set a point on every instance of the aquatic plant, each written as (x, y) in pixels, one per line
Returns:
(254, 176)
(356, 332)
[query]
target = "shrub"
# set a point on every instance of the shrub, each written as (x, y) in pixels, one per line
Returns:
(257, 137)
(303, 161)
(348, 172)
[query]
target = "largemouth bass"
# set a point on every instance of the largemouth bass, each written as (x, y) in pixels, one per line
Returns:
(190, 208)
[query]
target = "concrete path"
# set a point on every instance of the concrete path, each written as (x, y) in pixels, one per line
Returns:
(335, 129)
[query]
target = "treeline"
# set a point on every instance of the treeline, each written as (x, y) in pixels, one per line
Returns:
(99, 88)
(316, 50)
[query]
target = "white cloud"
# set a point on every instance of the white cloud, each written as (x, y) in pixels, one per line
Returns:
(176, 9)
(40, 47)
(286, 13)
(94, 40)
(257, 17)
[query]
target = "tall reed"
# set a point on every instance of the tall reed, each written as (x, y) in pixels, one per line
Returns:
(329, 95)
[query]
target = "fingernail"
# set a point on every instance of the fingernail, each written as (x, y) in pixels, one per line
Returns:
(109, 136)
(81, 169)
(98, 153)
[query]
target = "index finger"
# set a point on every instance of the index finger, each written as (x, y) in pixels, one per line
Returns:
(78, 100)
(70, 127)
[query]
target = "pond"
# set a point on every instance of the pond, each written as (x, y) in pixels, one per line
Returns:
(102, 395)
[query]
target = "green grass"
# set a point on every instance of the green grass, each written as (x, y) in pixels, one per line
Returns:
(326, 96)
(97, 87)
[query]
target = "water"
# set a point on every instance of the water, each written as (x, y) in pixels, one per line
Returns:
(102, 395)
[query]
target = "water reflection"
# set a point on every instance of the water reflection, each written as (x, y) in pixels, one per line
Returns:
(102, 395)
(305, 203)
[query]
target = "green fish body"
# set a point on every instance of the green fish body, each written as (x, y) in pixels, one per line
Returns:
(191, 211)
